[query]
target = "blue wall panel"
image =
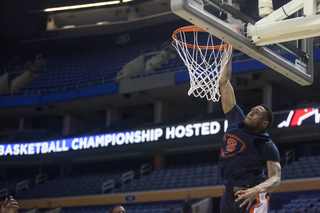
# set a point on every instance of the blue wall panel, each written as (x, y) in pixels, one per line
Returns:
(98, 90)
(316, 54)
(181, 77)
(245, 66)
(19, 101)
(59, 96)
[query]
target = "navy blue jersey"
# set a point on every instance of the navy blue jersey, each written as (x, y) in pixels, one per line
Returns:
(244, 154)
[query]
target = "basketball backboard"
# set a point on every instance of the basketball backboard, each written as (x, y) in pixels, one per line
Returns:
(258, 39)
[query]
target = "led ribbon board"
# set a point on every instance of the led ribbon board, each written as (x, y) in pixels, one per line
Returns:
(292, 118)
(113, 139)
(296, 117)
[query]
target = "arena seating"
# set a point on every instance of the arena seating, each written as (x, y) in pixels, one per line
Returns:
(64, 187)
(75, 185)
(303, 204)
(306, 167)
(172, 177)
(67, 71)
(158, 207)
(9, 185)
(71, 71)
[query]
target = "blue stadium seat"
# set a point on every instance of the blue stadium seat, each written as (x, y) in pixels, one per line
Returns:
(287, 206)
(313, 199)
(293, 210)
(312, 210)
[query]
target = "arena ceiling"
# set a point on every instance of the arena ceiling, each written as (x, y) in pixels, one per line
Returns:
(25, 19)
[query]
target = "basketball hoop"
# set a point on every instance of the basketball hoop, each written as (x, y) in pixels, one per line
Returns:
(203, 59)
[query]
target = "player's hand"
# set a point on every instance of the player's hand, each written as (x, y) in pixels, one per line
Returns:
(9, 206)
(249, 195)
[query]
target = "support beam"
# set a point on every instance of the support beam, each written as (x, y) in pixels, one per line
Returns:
(309, 7)
(24, 124)
(69, 124)
(112, 115)
(159, 161)
(161, 112)
(286, 30)
(283, 12)
(267, 95)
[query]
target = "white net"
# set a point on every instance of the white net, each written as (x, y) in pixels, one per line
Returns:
(203, 60)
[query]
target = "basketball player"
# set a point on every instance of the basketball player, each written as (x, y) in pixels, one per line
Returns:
(246, 151)
(9, 206)
(117, 209)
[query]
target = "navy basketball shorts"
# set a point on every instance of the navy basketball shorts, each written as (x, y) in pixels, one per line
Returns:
(259, 205)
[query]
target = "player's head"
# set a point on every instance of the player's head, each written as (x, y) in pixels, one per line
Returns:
(270, 116)
(259, 118)
(117, 209)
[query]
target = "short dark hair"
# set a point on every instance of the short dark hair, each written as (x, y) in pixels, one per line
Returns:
(111, 210)
(270, 116)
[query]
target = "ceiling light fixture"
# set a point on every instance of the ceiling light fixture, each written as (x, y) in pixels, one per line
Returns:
(73, 7)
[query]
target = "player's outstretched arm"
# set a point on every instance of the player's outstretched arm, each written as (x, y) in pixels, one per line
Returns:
(228, 99)
(274, 173)
(273, 182)
(9, 206)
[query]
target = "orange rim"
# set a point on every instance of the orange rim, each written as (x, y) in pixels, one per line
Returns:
(193, 28)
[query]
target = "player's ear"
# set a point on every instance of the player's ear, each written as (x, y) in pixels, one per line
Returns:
(265, 124)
